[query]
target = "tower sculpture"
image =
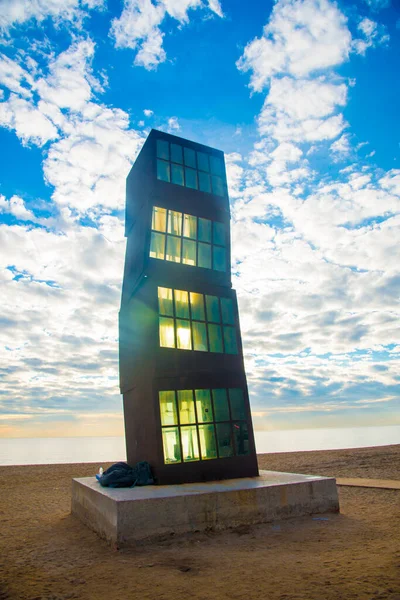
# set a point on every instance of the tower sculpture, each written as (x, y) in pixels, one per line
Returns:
(182, 377)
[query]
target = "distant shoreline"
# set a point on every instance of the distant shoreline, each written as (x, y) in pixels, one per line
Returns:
(266, 460)
(82, 450)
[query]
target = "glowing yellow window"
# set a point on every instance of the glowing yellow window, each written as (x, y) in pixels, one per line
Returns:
(159, 219)
(189, 226)
(174, 222)
(173, 249)
(197, 306)
(167, 334)
(189, 252)
(168, 408)
(171, 445)
(199, 336)
(183, 337)
(203, 406)
(181, 304)
(190, 444)
(157, 245)
(187, 412)
(165, 306)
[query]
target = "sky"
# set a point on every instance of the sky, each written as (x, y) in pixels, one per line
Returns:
(303, 98)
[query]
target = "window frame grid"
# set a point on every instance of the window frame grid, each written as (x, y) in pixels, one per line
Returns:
(183, 237)
(220, 323)
(169, 161)
(197, 423)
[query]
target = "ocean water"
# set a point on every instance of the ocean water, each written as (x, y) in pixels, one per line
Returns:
(30, 451)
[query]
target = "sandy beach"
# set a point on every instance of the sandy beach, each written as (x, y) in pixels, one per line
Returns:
(46, 554)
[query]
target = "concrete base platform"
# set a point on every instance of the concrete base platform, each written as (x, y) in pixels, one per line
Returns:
(126, 516)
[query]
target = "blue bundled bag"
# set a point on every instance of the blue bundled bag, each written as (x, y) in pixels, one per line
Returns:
(123, 475)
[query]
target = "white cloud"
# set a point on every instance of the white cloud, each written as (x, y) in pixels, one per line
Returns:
(14, 77)
(94, 146)
(391, 181)
(373, 35)
(16, 207)
(287, 152)
(69, 83)
(151, 52)
(138, 20)
(302, 110)
(173, 124)
(234, 173)
(148, 113)
(341, 147)
(16, 12)
(368, 27)
(77, 366)
(305, 99)
(88, 167)
(324, 249)
(178, 9)
(138, 26)
(216, 7)
(302, 36)
(29, 123)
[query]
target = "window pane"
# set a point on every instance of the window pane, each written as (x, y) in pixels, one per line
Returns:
(174, 222)
(215, 338)
(212, 305)
(219, 258)
(202, 161)
(187, 412)
(181, 304)
(217, 167)
(204, 258)
(203, 406)
(204, 230)
(221, 407)
(191, 178)
(165, 302)
(159, 219)
(190, 444)
(217, 185)
(183, 340)
(238, 408)
(177, 174)
(224, 438)
(204, 182)
(173, 249)
(189, 252)
(219, 233)
(176, 153)
(168, 408)
(167, 337)
(227, 311)
(189, 226)
(157, 245)
(190, 158)
(171, 445)
(197, 306)
(241, 435)
(199, 336)
(163, 170)
(163, 149)
(230, 340)
(208, 444)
